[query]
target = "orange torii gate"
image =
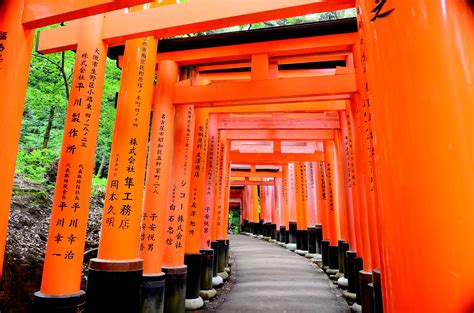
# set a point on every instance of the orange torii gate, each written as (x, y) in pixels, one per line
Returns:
(389, 155)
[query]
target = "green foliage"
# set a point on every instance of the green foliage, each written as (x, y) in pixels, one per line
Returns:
(234, 221)
(34, 164)
(45, 111)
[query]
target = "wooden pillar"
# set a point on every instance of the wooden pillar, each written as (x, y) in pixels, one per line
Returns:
(177, 210)
(211, 175)
(115, 276)
(423, 148)
(369, 203)
(311, 194)
(331, 187)
(67, 231)
(351, 176)
(322, 197)
(276, 207)
(156, 189)
(198, 179)
(15, 53)
(340, 189)
(291, 191)
(226, 190)
(255, 205)
(194, 258)
(285, 204)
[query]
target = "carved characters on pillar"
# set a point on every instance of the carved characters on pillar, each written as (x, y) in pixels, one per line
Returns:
(3, 46)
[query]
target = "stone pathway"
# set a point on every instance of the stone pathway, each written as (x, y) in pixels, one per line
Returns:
(270, 278)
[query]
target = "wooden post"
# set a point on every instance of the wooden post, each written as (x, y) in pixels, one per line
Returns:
(67, 230)
(156, 190)
(423, 148)
(196, 207)
(120, 234)
(15, 53)
(177, 210)
(211, 176)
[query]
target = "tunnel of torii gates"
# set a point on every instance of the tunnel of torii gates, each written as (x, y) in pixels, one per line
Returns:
(355, 138)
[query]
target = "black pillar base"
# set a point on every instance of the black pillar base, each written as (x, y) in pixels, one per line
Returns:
(304, 240)
(153, 293)
(277, 235)
(282, 234)
(378, 301)
(273, 231)
(287, 237)
(358, 266)
(312, 240)
(175, 289)
(325, 252)
(245, 226)
(319, 238)
(114, 286)
(260, 228)
(366, 293)
(227, 255)
(215, 248)
(299, 240)
(207, 264)
(267, 229)
(342, 248)
(220, 255)
(74, 303)
(333, 258)
(292, 233)
(350, 274)
(193, 261)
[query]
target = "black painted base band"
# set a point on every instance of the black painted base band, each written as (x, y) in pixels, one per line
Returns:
(74, 303)
(220, 255)
(378, 300)
(342, 247)
(312, 240)
(153, 293)
(114, 286)
(358, 266)
(193, 281)
(325, 252)
(333, 257)
(350, 274)
(292, 232)
(319, 238)
(282, 234)
(175, 289)
(215, 248)
(227, 255)
(366, 294)
(207, 265)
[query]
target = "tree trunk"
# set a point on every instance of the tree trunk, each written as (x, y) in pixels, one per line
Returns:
(102, 165)
(47, 133)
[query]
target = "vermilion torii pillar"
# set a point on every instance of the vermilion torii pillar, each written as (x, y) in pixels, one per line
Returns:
(285, 206)
(423, 131)
(115, 277)
(332, 204)
(194, 258)
(220, 222)
(156, 191)
(67, 232)
(177, 210)
(292, 223)
(15, 52)
(312, 208)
